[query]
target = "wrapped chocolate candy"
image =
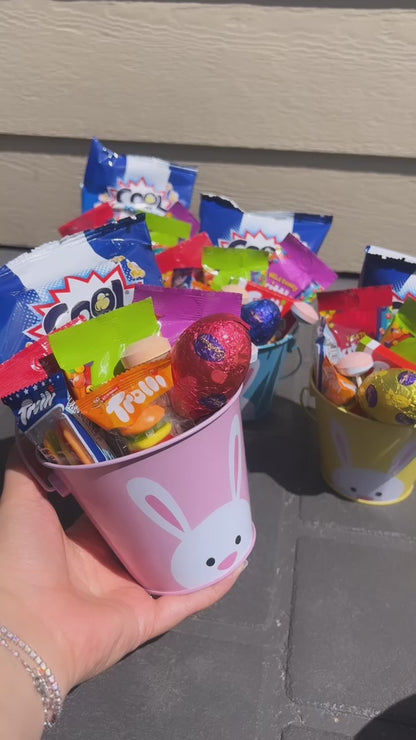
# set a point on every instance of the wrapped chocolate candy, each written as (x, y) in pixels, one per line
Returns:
(263, 318)
(389, 396)
(210, 361)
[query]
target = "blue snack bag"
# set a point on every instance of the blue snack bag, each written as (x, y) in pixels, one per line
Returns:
(388, 267)
(130, 182)
(49, 262)
(228, 226)
(87, 274)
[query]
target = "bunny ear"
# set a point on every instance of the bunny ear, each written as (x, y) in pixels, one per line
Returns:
(341, 443)
(404, 457)
(235, 458)
(154, 501)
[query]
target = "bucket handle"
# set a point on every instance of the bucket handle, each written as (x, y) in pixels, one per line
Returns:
(311, 412)
(32, 463)
(49, 483)
(293, 345)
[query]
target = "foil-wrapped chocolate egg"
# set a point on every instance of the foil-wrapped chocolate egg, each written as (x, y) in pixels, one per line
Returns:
(210, 361)
(263, 318)
(389, 396)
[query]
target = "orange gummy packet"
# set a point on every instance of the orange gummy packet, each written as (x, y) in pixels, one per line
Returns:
(119, 402)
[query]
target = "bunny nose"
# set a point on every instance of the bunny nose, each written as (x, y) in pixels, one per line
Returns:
(228, 561)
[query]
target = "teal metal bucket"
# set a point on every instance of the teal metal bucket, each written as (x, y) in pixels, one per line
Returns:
(258, 390)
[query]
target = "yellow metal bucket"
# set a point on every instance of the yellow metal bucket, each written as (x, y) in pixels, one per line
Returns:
(362, 459)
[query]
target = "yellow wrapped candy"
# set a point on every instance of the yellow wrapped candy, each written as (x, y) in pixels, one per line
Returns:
(389, 396)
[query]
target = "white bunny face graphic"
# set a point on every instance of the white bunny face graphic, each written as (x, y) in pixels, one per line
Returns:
(366, 483)
(217, 544)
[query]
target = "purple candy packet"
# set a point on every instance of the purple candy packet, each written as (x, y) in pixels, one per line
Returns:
(176, 309)
(298, 272)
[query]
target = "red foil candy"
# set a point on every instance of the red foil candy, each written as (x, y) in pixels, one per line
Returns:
(209, 363)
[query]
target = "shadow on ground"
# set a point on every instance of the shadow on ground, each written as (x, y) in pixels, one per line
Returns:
(398, 722)
(283, 445)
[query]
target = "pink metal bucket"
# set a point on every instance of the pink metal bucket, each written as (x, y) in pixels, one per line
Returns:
(177, 516)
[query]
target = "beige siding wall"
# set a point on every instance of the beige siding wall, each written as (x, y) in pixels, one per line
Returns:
(305, 108)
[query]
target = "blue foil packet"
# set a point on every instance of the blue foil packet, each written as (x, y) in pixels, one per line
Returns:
(228, 226)
(388, 267)
(131, 183)
(43, 413)
(87, 274)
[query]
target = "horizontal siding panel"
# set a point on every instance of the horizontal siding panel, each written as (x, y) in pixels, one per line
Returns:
(38, 192)
(331, 79)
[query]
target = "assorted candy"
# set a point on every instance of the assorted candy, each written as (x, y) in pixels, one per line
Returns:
(366, 345)
(143, 320)
(181, 266)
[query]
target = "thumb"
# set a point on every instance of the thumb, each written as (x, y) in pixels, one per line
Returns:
(170, 610)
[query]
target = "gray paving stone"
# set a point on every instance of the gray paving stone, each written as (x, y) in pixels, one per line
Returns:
(352, 638)
(280, 447)
(303, 733)
(329, 509)
(170, 691)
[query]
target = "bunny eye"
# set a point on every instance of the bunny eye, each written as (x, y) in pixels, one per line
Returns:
(379, 493)
(210, 562)
(238, 539)
(353, 489)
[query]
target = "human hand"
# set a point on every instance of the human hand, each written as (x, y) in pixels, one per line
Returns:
(68, 595)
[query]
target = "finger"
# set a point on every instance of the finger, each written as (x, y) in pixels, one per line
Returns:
(14, 462)
(18, 481)
(170, 610)
(90, 544)
(81, 530)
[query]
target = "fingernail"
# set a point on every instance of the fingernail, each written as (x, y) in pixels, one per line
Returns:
(242, 567)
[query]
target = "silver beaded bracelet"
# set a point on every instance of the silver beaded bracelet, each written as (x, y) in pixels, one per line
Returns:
(42, 677)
